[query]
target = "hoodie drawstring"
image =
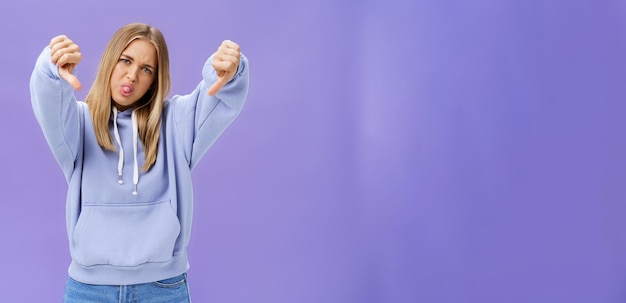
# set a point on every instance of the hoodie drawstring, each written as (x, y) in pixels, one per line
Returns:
(136, 168)
(120, 162)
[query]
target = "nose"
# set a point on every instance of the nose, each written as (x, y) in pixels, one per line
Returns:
(132, 73)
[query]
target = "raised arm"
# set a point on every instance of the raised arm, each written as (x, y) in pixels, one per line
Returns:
(200, 117)
(52, 87)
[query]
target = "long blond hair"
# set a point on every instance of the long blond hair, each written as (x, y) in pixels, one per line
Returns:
(149, 107)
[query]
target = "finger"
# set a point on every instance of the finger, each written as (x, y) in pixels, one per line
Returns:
(57, 39)
(69, 58)
(60, 44)
(229, 50)
(57, 54)
(60, 48)
(70, 78)
(225, 66)
(230, 44)
(217, 86)
(74, 82)
(227, 55)
(64, 47)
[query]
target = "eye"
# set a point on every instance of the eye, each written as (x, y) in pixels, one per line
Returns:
(124, 60)
(147, 70)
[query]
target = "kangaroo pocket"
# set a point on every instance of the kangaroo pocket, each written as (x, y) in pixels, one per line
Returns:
(125, 234)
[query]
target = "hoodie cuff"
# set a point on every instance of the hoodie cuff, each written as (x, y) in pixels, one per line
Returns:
(45, 65)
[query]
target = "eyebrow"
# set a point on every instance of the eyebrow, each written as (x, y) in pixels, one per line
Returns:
(131, 59)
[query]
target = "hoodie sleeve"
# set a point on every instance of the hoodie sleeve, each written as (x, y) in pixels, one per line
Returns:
(56, 111)
(200, 118)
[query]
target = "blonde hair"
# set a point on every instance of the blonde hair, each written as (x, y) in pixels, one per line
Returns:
(149, 107)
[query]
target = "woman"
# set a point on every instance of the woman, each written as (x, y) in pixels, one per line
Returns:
(127, 155)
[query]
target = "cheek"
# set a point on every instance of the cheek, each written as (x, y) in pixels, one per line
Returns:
(147, 83)
(115, 74)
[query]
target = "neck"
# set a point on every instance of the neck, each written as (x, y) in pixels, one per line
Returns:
(122, 107)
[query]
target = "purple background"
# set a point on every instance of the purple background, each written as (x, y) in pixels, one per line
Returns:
(390, 151)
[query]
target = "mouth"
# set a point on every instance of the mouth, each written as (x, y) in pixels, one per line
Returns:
(126, 90)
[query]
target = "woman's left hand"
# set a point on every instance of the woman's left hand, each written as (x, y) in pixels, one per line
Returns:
(225, 63)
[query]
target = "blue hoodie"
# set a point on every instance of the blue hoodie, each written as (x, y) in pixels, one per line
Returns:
(126, 226)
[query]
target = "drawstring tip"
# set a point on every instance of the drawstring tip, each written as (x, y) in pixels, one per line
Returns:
(119, 180)
(135, 190)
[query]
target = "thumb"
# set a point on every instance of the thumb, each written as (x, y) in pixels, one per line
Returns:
(70, 78)
(217, 85)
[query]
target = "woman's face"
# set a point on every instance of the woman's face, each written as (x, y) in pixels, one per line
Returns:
(133, 74)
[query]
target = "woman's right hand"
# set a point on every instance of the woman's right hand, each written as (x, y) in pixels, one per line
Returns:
(66, 55)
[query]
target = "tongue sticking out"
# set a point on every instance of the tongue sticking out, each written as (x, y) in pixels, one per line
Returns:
(126, 89)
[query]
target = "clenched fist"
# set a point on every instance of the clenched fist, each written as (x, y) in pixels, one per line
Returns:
(66, 55)
(225, 63)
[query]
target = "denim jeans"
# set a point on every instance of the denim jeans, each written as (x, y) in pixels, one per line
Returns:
(172, 290)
